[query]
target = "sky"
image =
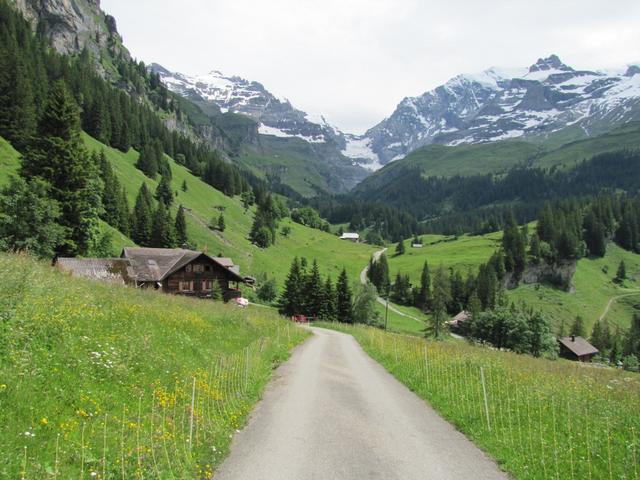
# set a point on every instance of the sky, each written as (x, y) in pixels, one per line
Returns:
(353, 61)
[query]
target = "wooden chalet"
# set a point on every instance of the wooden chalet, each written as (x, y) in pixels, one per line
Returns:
(576, 348)
(177, 271)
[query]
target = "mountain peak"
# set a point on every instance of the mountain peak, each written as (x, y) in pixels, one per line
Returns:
(552, 62)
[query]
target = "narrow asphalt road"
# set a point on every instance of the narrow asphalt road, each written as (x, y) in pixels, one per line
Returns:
(332, 413)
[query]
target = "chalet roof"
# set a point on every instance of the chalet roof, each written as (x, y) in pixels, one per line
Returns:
(578, 345)
(224, 261)
(117, 270)
(155, 264)
(462, 317)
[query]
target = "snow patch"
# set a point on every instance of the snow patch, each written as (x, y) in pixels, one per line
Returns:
(359, 148)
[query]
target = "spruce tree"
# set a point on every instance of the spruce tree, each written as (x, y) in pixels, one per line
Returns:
(111, 191)
(441, 297)
(221, 223)
(292, 295)
(344, 307)
(162, 230)
(621, 273)
(59, 158)
(313, 292)
(148, 161)
(141, 220)
(29, 218)
(181, 228)
(424, 296)
(578, 328)
(164, 193)
(124, 214)
(328, 301)
(400, 248)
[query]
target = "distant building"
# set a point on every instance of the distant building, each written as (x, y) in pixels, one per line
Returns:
(576, 348)
(457, 321)
(351, 237)
(416, 245)
(178, 271)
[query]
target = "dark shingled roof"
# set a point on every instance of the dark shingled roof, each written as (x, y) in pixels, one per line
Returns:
(579, 346)
(115, 270)
(155, 264)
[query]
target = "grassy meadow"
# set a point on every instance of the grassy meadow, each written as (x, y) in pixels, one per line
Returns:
(104, 381)
(538, 419)
(593, 281)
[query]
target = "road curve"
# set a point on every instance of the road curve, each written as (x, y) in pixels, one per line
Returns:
(331, 412)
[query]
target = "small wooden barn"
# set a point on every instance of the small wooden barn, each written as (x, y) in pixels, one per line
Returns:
(576, 348)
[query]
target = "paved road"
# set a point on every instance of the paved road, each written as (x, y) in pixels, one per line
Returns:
(332, 413)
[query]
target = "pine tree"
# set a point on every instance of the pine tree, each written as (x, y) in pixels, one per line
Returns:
(184, 187)
(534, 249)
(181, 228)
(578, 328)
(29, 218)
(292, 295)
(216, 291)
(344, 307)
(164, 193)
(221, 223)
(400, 248)
(111, 191)
(621, 273)
(328, 301)
(162, 231)
(314, 294)
(441, 297)
(424, 296)
(142, 221)
(514, 248)
(124, 215)
(148, 161)
(59, 158)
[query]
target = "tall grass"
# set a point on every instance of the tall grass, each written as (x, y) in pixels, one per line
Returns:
(107, 382)
(539, 419)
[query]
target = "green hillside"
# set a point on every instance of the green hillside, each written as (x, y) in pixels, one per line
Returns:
(205, 202)
(593, 281)
(114, 372)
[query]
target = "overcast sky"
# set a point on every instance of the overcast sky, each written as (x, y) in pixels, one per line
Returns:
(354, 60)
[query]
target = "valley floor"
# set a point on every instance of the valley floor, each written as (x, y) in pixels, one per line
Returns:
(332, 412)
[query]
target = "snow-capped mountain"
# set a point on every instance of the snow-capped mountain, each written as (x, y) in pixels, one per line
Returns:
(276, 116)
(499, 104)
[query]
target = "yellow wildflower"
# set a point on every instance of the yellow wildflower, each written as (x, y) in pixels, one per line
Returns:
(44, 421)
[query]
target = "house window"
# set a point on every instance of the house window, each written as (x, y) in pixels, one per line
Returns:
(185, 286)
(207, 268)
(188, 269)
(207, 285)
(198, 268)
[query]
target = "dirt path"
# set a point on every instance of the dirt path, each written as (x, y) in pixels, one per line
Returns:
(613, 299)
(333, 413)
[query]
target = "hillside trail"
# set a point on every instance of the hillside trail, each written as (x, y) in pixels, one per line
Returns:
(331, 412)
(382, 301)
(614, 299)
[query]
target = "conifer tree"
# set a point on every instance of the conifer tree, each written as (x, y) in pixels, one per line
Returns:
(400, 248)
(621, 273)
(59, 158)
(424, 295)
(162, 231)
(29, 218)
(441, 297)
(124, 214)
(328, 301)
(313, 289)
(181, 228)
(184, 187)
(111, 191)
(344, 306)
(164, 193)
(221, 223)
(578, 328)
(291, 298)
(148, 161)
(142, 221)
